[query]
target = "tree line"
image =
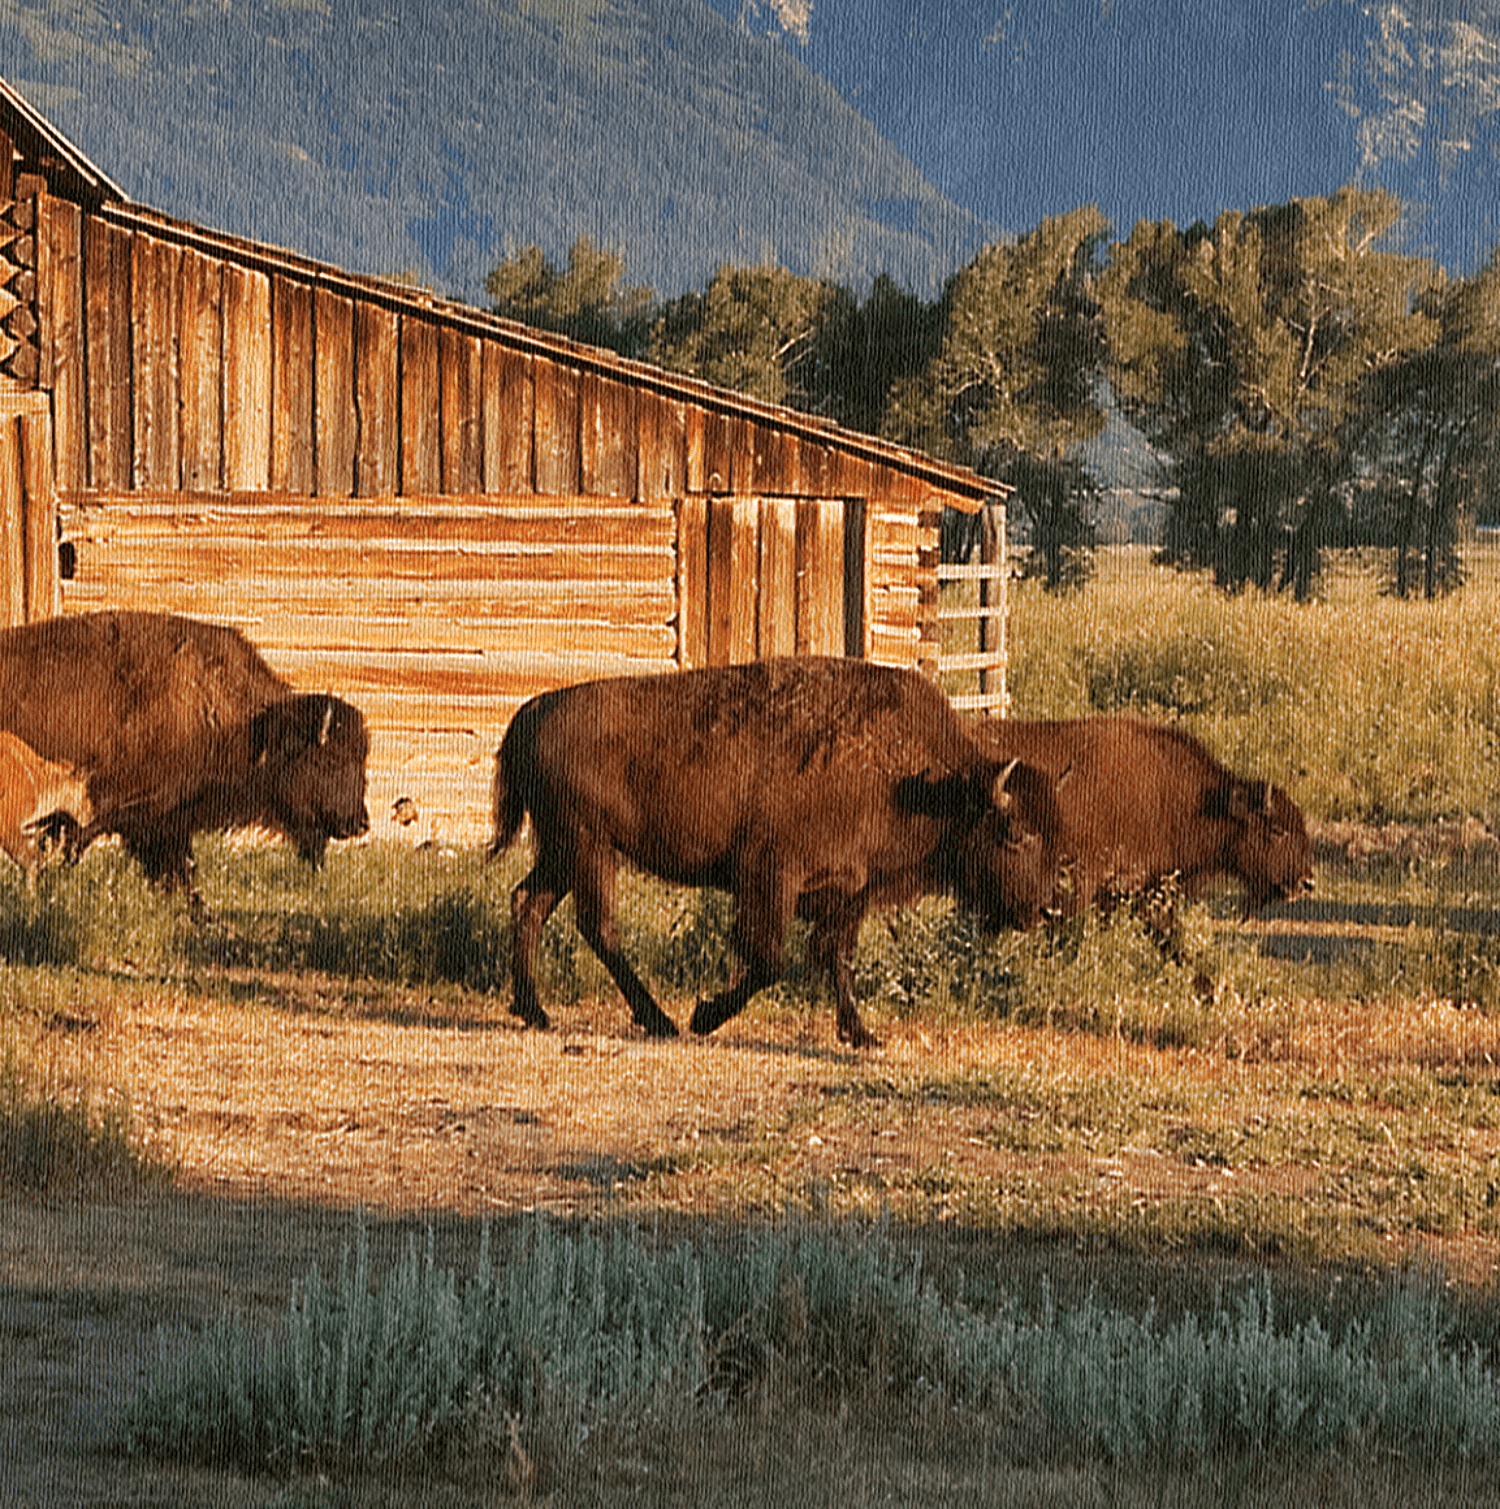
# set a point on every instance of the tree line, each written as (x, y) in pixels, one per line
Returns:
(1301, 383)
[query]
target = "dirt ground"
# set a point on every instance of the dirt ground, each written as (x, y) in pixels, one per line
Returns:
(294, 1126)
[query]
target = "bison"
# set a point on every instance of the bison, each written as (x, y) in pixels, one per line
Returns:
(40, 800)
(814, 787)
(1144, 803)
(180, 727)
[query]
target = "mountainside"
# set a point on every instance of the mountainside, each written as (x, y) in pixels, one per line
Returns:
(401, 136)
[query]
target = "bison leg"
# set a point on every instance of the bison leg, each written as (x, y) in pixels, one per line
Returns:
(531, 904)
(763, 906)
(167, 859)
(594, 908)
(831, 945)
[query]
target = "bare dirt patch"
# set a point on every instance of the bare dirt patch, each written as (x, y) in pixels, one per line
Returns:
(294, 1128)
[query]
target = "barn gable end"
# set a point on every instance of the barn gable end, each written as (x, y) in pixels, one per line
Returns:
(426, 509)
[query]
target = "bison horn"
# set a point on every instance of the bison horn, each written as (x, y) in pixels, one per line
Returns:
(327, 723)
(998, 794)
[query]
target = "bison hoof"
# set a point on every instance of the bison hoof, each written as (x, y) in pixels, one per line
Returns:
(859, 1037)
(660, 1025)
(707, 1016)
(533, 1016)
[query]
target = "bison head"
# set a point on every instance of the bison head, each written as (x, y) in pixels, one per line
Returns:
(1008, 863)
(308, 757)
(1269, 851)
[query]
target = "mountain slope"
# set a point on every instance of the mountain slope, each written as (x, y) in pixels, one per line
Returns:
(399, 135)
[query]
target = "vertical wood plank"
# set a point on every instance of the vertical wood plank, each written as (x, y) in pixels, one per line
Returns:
(733, 579)
(292, 464)
(778, 577)
(200, 344)
(154, 318)
(609, 434)
(856, 587)
(335, 426)
(717, 474)
(743, 477)
(557, 439)
(247, 379)
(421, 413)
(661, 451)
(41, 591)
(12, 524)
(789, 471)
(62, 267)
(461, 368)
(813, 470)
(695, 445)
(509, 420)
(377, 401)
(820, 577)
(692, 582)
(101, 368)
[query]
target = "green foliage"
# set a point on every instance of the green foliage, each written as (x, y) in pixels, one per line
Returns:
(757, 330)
(54, 1139)
(568, 1333)
(1241, 350)
(588, 300)
(1014, 388)
(1427, 424)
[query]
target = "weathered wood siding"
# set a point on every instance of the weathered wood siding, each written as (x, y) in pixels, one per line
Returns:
(437, 615)
(29, 582)
(434, 513)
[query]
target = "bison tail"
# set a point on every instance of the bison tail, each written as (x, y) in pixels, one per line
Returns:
(512, 788)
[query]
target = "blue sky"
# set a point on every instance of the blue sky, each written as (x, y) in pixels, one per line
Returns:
(1174, 109)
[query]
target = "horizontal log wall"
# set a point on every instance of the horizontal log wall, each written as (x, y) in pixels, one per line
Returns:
(436, 616)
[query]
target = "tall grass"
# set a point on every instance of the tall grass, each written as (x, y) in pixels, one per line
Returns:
(59, 1137)
(1365, 706)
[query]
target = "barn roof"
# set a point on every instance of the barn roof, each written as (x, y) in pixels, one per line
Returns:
(43, 147)
(71, 175)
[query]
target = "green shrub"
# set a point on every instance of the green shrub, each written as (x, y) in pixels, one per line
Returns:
(572, 1332)
(53, 1139)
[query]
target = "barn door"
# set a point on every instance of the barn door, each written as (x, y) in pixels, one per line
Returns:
(29, 586)
(770, 576)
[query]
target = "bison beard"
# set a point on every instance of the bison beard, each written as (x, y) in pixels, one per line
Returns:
(181, 727)
(813, 787)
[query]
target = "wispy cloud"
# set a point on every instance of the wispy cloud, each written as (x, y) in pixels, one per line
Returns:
(1428, 76)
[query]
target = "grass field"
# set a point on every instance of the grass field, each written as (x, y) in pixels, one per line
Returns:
(1052, 1122)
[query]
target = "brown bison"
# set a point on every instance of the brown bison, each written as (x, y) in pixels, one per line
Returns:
(179, 727)
(1143, 803)
(812, 787)
(39, 799)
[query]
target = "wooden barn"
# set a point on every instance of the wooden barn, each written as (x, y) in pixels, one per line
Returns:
(425, 509)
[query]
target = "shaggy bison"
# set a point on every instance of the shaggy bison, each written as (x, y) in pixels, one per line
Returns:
(178, 727)
(1144, 803)
(39, 801)
(813, 787)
